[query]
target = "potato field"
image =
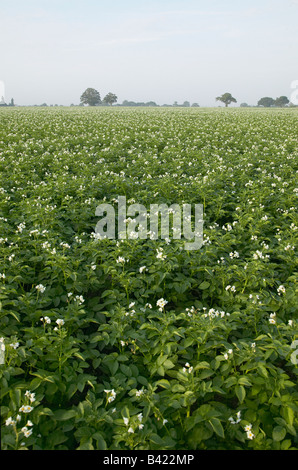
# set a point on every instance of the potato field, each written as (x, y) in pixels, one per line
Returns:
(140, 344)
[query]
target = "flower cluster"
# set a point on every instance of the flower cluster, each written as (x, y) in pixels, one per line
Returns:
(248, 429)
(215, 313)
(238, 419)
(160, 254)
(187, 368)
(111, 395)
(40, 288)
(272, 319)
(134, 424)
(231, 288)
(281, 290)
(228, 353)
(161, 303)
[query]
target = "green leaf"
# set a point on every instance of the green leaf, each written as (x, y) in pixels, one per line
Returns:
(188, 342)
(46, 412)
(198, 434)
(241, 393)
(206, 373)
(35, 383)
(113, 366)
(202, 365)
(96, 338)
(163, 383)
(178, 388)
(156, 439)
(160, 360)
(58, 437)
(43, 376)
(244, 381)
(86, 444)
(51, 389)
(101, 443)
(168, 364)
(108, 293)
(204, 285)
(125, 412)
(263, 370)
(285, 445)
(279, 433)
(64, 415)
(289, 415)
(230, 382)
(217, 427)
(126, 370)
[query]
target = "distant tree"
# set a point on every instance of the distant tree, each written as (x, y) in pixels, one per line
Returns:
(227, 99)
(151, 103)
(266, 102)
(129, 103)
(195, 105)
(139, 103)
(2, 102)
(43, 105)
(175, 104)
(11, 102)
(91, 97)
(110, 99)
(186, 104)
(244, 105)
(282, 101)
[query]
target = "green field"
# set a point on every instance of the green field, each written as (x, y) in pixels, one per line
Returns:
(214, 367)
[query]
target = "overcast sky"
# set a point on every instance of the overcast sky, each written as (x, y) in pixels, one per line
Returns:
(141, 50)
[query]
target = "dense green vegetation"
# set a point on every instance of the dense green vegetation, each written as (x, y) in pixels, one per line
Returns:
(108, 345)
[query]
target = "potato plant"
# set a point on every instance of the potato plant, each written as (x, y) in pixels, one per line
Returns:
(141, 344)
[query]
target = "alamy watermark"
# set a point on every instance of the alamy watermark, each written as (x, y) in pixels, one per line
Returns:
(294, 95)
(2, 91)
(164, 222)
(294, 355)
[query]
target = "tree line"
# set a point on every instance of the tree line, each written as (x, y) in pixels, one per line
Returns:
(265, 102)
(2, 102)
(91, 97)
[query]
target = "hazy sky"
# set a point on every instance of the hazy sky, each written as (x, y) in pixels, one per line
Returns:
(141, 50)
